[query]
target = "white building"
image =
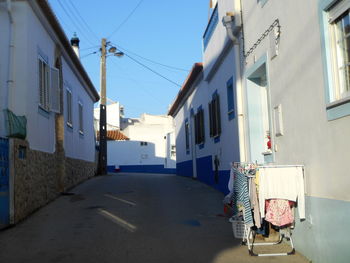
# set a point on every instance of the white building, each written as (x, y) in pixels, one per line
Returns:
(115, 112)
(292, 84)
(42, 79)
(300, 72)
(206, 111)
(150, 148)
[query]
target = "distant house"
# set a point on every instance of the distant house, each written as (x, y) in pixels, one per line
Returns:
(47, 143)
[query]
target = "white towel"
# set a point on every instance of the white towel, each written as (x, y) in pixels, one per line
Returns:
(282, 183)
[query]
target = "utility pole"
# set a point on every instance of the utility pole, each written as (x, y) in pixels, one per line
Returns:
(103, 112)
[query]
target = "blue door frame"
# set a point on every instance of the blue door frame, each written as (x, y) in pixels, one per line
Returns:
(4, 183)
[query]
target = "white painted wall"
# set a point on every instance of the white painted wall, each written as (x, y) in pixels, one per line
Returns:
(32, 39)
(218, 38)
(152, 129)
(296, 82)
(227, 149)
(113, 116)
(77, 145)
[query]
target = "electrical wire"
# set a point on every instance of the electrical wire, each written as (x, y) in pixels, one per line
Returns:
(149, 60)
(88, 48)
(84, 56)
(126, 19)
(73, 22)
(137, 82)
(155, 72)
(83, 20)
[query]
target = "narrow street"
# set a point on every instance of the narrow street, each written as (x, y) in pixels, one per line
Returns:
(129, 219)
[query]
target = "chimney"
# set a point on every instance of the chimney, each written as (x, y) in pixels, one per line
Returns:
(75, 44)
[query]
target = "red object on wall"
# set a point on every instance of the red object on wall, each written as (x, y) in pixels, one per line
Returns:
(269, 142)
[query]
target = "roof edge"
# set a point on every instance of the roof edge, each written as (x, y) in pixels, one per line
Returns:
(51, 17)
(192, 76)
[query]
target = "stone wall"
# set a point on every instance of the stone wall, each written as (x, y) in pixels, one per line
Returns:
(77, 171)
(38, 179)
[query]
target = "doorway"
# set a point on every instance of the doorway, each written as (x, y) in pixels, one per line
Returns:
(259, 115)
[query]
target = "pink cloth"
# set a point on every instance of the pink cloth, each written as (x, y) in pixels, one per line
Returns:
(279, 212)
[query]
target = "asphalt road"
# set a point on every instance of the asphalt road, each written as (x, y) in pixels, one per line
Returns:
(130, 218)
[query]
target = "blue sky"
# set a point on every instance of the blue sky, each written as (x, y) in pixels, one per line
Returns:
(162, 31)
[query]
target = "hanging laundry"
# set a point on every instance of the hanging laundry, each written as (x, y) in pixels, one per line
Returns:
(254, 202)
(241, 196)
(279, 212)
(282, 183)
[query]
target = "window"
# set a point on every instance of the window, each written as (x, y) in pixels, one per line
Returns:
(199, 126)
(214, 116)
(262, 2)
(340, 30)
(335, 36)
(49, 88)
(44, 74)
(69, 107)
(214, 20)
(81, 118)
(187, 135)
(230, 99)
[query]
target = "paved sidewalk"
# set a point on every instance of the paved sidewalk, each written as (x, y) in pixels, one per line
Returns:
(130, 218)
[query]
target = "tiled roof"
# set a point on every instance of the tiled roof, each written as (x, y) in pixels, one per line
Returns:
(114, 135)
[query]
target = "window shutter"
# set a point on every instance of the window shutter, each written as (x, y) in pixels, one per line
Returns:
(196, 128)
(81, 119)
(55, 91)
(218, 117)
(202, 125)
(46, 86)
(210, 119)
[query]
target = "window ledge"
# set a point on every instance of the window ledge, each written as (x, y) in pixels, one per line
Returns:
(45, 113)
(70, 126)
(337, 103)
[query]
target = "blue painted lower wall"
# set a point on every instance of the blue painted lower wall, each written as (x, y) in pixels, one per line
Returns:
(325, 234)
(205, 173)
(157, 169)
(184, 169)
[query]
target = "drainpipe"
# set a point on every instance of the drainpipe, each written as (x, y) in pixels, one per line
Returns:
(234, 24)
(9, 82)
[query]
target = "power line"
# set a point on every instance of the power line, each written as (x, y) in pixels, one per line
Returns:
(155, 72)
(73, 22)
(83, 20)
(152, 61)
(137, 82)
(88, 48)
(84, 56)
(126, 19)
